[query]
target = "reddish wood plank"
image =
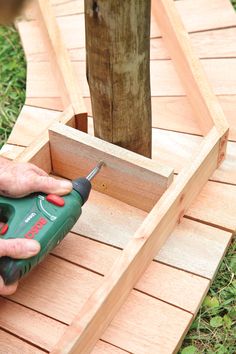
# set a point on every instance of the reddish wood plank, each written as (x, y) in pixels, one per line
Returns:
(12, 345)
(145, 325)
(166, 283)
(35, 328)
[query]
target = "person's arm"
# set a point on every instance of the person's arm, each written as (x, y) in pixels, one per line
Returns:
(18, 180)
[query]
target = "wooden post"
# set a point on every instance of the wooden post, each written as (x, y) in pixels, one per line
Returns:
(117, 45)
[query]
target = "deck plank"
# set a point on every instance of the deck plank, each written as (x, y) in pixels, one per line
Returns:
(31, 123)
(74, 285)
(160, 281)
(190, 257)
(12, 345)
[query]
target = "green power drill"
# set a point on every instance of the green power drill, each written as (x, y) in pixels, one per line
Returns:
(45, 218)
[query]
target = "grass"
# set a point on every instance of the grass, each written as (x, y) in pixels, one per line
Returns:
(12, 80)
(214, 329)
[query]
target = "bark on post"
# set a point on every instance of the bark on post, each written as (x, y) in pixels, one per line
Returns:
(117, 46)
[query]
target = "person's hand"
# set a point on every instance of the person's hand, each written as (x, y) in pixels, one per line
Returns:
(20, 179)
(16, 248)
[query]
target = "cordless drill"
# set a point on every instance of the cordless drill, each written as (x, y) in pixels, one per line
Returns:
(45, 218)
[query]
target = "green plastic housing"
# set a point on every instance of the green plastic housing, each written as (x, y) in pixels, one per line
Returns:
(33, 217)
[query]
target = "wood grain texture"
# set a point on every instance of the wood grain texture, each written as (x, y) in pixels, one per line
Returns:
(124, 170)
(192, 246)
(87, 327)
(177, 148)
(13, 345)
(11, 151)
(31, 123)
(160, 281)
(175, 113)
(204, 104)
(42, 331)
(69, 87)
(80, 282)
(202, 15)
(118, 69)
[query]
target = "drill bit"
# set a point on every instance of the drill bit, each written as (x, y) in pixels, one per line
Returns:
(95, 171)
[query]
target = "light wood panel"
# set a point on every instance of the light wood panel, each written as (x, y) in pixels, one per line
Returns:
(202, 15)
(192, 246)
(218, 202)
(177, 149)
(79, 283)
(30, 124)
(11, 345)
(124, 170)
(35, 328)
(160, 281)
(10, 151)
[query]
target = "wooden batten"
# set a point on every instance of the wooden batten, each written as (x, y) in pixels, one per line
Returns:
(204, 103)
(69, 88)
(127, 176)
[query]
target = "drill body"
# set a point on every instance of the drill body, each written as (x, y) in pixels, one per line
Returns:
(45, 218)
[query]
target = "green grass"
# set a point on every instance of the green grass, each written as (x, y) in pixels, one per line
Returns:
(214, 329)
(12, 80)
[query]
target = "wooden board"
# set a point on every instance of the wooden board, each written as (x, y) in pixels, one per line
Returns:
(159, 310)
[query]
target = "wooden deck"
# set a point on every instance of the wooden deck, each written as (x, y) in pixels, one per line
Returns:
(164, 302)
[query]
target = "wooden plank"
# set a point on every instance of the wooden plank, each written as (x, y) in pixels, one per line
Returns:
(30, 325)
(218, 202)
(220, 72)
(79, 283)
(147, 338)
(110, 216)
(217, 43)
(34, 328)
(198, 90)
(72, 93)
(31, 122)
(209, 44)
(197, 16)
(184, 145)
(175, 113)
(10, 151)
(70, 7)
(54, 103)
(87, 326)
(38, 152)
(196, 248)
(171, 285)
(202, 15)
(11, 344)
(192, 246)
(145, 179)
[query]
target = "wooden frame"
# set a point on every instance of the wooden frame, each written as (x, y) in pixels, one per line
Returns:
(104, 303)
